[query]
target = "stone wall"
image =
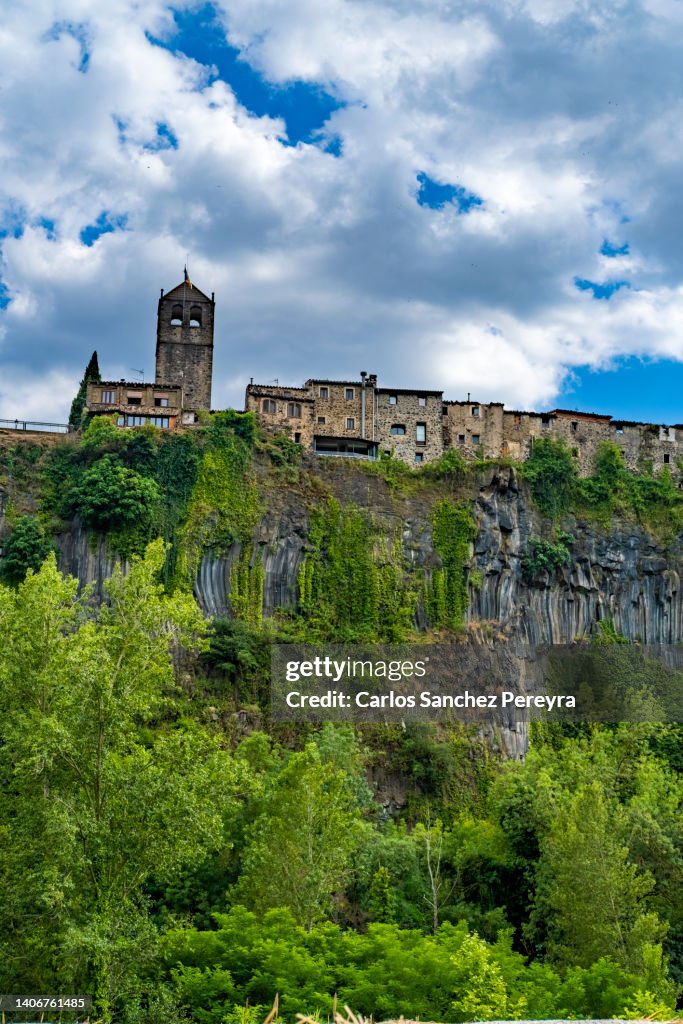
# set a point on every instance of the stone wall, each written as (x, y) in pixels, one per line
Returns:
(419, 415)
(477, 430)
(338, 407)
(130, 401)
(287, 410)
(184, 351)
(473, 429)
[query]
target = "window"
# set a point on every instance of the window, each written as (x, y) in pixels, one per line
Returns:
(665, 432)
(393, 399)
(399, 429)
(297, 438)
(160, 421)
(518, 420)
(121, 421)
(135, 421)
(475, 439)
(350, 423)
(461, 438)
(321, 419)
(177, 315)
(294, 410)
(475, 410)
(419, 456)
(545, 421)
(269, 405)
(619, 429)
(349, 394)
(422, 402)
(575, 426)
(161, 401)
(134, 398)
(108, 397)
(421, 433)
(667, 458)
(444, 410)
(195, 316)
(324, 392)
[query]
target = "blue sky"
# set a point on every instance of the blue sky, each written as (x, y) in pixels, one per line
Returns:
(475, 195)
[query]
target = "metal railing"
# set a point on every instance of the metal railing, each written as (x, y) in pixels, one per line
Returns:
(345, 455)
(35, 426)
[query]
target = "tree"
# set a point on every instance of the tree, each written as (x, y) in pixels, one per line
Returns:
(112, 497)
(26, 548)
(92, 373)
(382, 897)
(299, 848)
(430, 841)
(594, 893)
(96, 799)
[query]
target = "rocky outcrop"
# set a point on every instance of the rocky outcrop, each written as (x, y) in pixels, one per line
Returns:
(622, 573)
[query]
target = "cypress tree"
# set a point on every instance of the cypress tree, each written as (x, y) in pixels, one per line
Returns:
(92, 373)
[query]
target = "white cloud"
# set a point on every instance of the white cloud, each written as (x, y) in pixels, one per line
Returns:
(561, 114)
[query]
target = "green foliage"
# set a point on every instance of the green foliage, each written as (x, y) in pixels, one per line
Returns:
(552, 476)
(93, 801)
(246, 589)
(92, 373)
(299, 847)
(240, 654)
(453, 530)
(382, 897)
(113, 499)
(545, 556)
(453, 975)
(607, 633)
(224, 503)
(611, 490)
(285, 452)
(450, 466)
(26, 548)
(351, 587)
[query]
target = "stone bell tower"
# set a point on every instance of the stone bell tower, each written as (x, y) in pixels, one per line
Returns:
(184, 352)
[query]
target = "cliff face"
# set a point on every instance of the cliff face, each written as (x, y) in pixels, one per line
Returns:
(622, 573)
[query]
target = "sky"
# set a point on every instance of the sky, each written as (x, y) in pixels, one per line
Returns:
(479, 196)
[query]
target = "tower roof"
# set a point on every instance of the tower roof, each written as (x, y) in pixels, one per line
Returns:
(188, 291)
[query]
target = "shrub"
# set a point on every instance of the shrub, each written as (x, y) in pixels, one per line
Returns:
(26, 548)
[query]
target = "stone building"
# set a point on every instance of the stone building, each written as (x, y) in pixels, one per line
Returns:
(184, 350)
(184, 367)
(410, 424)
(474, 429)
(137, 404)
(358, 418)
(330, 417)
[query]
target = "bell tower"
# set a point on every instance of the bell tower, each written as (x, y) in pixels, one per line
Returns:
(184, 353)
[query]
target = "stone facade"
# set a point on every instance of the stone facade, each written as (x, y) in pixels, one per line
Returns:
(473, 429)
(331, 416)
(409, 424)
(184, 351)
(137, 404)
(359, 418)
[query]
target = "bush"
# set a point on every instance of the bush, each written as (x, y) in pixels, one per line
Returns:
(546, 556)
(552, 476)
(112, 497)
(26, 548)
